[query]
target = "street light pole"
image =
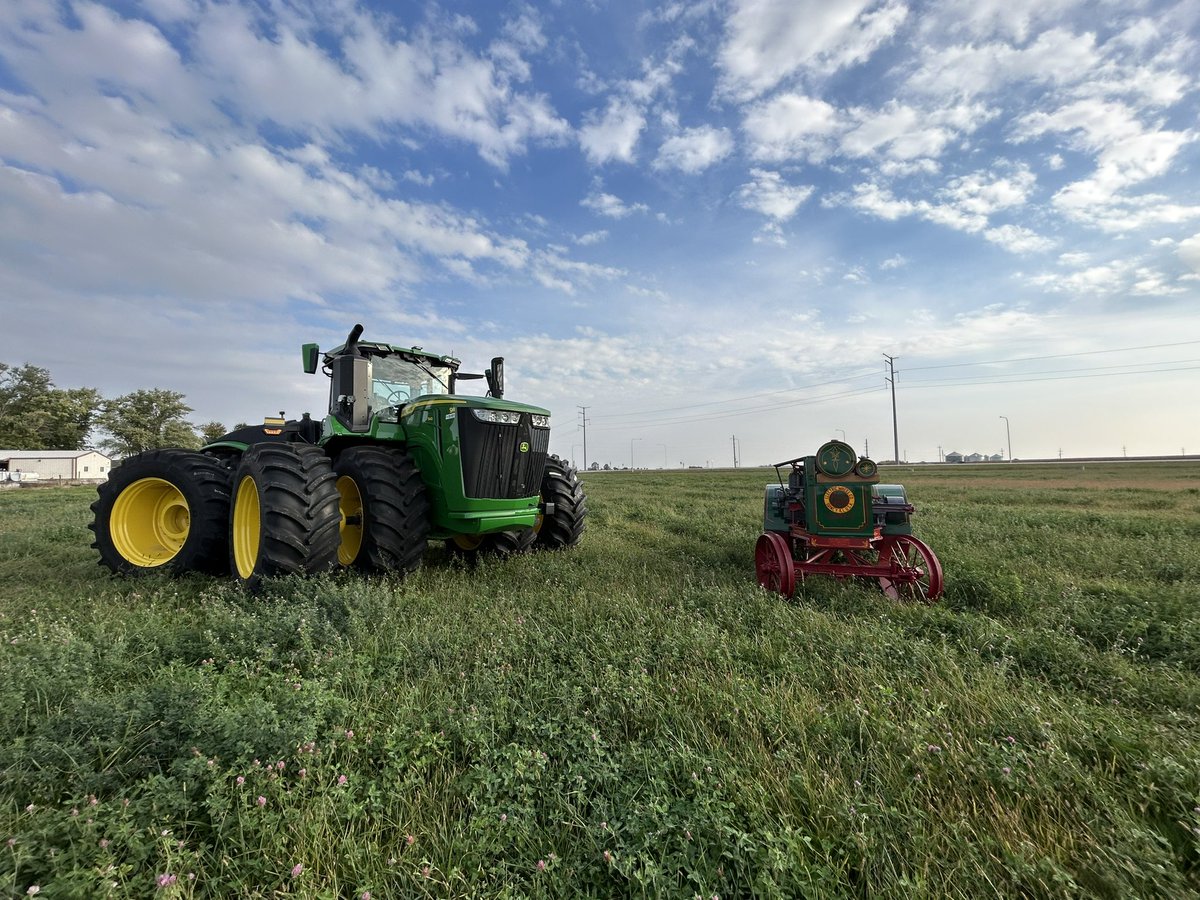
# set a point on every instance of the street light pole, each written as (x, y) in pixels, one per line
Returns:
(631, 440)
(843, 431)
(1008, 434)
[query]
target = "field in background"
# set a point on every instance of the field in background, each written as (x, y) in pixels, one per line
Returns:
(632, 718)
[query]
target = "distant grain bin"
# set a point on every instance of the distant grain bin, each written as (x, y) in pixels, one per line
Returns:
(56, 465)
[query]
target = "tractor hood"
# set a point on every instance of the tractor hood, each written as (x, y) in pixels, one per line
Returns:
(452, 401)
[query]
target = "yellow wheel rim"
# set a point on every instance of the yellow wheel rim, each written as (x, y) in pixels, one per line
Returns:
(351, 505)
(247, 527)
(468, 541)
(150, 522)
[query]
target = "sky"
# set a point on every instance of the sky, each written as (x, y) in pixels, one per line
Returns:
(708, 223)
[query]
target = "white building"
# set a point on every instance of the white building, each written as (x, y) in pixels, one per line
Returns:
(56, 465)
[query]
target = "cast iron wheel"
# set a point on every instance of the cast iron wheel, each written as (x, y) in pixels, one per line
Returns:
(773, 564)
(163, 509)
(917, 572)
(384, 510)
(284, 516)
(561, 486)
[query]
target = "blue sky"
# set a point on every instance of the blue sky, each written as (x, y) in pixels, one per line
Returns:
(695, 219)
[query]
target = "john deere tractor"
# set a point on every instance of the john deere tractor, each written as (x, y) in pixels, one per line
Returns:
(401, 459)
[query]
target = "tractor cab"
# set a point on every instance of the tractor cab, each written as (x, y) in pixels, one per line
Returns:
(371, 380)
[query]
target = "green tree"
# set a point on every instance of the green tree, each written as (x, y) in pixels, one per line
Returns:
(147, 420)
(35, 415)
(212, 431)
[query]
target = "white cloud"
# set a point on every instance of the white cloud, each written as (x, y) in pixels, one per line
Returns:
(553, 270)
(768, 40)
(612, 135)
(610, 205)
(894, 262)
(770, 195)
(1014, 18)
(695, 149)
(965, 203)
(905, 133)
(1150, 282)
(1107, 279)
(1126, 153)
(366, 81)
(792, 126)
(1189, 252)
(1016, 239)
(592, 237)
(1056, 57)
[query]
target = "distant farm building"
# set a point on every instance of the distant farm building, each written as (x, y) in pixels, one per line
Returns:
(955, 457)
(55, 465)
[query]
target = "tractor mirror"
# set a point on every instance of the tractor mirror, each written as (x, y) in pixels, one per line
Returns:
(311, 354)
(495, 377)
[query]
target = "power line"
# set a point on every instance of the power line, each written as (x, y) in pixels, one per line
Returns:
(1003, 377)
(738, 400)
(1012, 380)
(682, 420)
(993, 362)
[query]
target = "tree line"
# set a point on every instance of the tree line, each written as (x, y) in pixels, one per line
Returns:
(37, 415)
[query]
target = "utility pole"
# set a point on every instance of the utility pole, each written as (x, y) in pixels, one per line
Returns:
(733, 438)
(583, 419)
(891, 361)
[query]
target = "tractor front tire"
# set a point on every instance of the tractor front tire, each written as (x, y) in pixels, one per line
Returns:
(564, 526)
(384, 510)
(497, 543)
(163, 510)
(284, 514)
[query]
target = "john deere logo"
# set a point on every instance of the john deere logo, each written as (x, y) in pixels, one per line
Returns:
(839, 500)
(524, 448)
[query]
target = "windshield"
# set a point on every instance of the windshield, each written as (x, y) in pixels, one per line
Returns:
(395, 381)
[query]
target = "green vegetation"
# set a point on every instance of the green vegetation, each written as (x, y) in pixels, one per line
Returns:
(146, 420)
(36, 415)
(634, 717)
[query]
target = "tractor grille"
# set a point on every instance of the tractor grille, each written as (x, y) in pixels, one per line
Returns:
(494, 468)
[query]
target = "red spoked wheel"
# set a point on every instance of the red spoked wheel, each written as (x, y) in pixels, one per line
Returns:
(916, 573)
(773, 563)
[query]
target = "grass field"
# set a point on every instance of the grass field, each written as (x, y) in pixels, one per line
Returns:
(633, 718)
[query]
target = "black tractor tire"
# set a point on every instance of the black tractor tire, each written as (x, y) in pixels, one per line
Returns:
(384, 510)
(507, 543)
(283, 516)
(499, 543)
(163, 510)
(562, 487)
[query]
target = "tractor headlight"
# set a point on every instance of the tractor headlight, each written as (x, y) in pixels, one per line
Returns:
(499, 416)
(541, 421)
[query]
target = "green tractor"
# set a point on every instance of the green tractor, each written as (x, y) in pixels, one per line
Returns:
(401, 459)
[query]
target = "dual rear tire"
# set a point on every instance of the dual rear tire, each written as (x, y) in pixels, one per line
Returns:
(280, 509)
(163, 510)
(284, 517)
